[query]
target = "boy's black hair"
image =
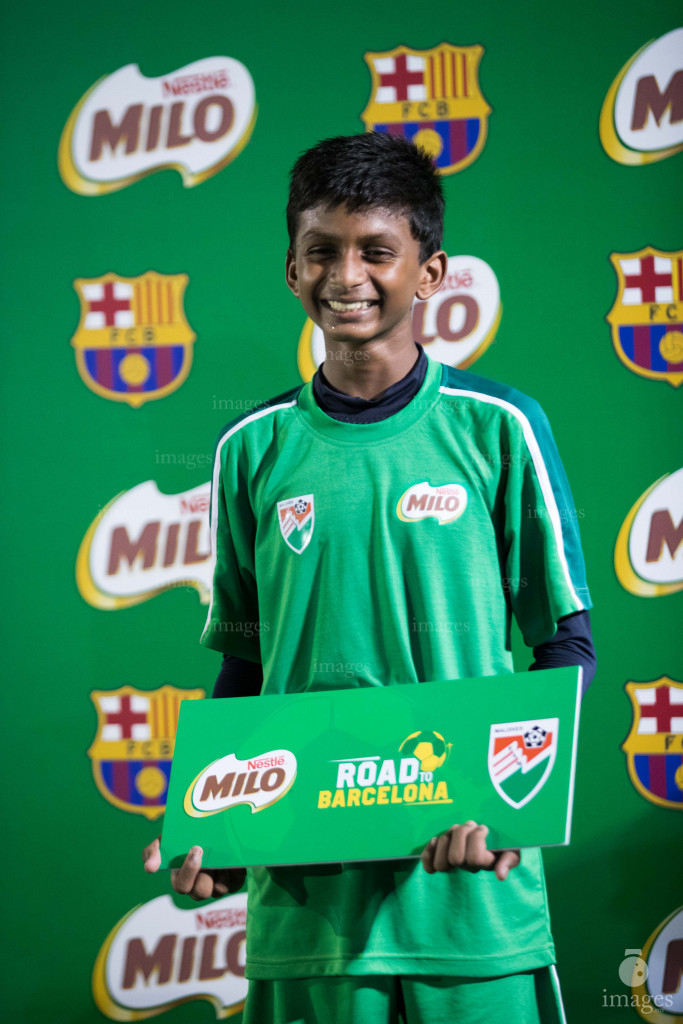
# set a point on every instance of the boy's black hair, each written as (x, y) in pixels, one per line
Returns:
(373, 169)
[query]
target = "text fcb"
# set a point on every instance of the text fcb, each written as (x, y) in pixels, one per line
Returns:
(228, 782)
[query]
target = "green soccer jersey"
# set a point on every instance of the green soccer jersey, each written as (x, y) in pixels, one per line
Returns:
(376, 554)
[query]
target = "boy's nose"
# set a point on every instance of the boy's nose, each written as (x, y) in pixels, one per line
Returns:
(349, 270)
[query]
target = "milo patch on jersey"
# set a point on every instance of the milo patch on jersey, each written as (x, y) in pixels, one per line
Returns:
(445, 503)
(521, 757)
(296, 517)
(228, 782)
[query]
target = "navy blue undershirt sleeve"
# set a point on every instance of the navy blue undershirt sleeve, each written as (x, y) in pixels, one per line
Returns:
(572, 644)
(238, 678)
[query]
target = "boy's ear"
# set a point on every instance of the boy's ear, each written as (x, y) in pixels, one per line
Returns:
(432, 275)
(291, 274)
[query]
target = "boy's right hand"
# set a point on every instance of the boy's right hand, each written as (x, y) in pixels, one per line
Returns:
(190, 880)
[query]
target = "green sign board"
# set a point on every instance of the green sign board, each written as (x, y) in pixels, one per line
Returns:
(369, 774)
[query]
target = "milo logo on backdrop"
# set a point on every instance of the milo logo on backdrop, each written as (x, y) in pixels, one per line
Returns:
(159, 955)
(144, 542)
(648, 555)
(126, 126)
(642, 116)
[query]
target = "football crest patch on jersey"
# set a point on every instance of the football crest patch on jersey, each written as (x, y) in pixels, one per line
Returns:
(654, 746)
(133, 747)
(647, 315)
(133, 343)
(445, 503)
(431, 97)
(296, 518)
(521, 757)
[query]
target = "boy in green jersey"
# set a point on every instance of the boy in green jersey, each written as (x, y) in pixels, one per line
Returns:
(322, 535)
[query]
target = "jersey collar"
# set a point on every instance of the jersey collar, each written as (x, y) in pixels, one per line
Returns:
(368, 433)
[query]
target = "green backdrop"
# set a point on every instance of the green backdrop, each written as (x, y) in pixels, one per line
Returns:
(543, 205)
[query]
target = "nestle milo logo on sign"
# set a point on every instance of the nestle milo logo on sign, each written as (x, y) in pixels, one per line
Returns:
(228, 782)
(194, 120)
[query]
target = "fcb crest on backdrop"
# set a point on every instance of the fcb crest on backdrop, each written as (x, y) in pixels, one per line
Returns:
(133, 343)
(654, 746)
(132, 751)
(431, 97)
(647, 316)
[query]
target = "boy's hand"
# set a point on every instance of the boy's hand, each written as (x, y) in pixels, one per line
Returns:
(190, 880)
(464, 846)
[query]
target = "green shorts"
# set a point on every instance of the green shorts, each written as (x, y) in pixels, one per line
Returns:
(532, 997)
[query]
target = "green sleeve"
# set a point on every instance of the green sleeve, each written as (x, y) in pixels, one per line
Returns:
(232, 624)
(544, 566)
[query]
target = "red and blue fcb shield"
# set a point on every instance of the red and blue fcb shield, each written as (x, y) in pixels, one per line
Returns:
(133, 343)
(431, 97)
(654, 746)
(647, 315)
(132, 751)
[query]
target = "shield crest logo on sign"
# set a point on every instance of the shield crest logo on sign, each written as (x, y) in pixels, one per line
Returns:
(521, 757)
(133, 343)
(431, 97)
(296, 519)
(647, 315)
(654, 746)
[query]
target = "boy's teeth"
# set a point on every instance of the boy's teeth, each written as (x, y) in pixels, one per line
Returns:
(344, 307)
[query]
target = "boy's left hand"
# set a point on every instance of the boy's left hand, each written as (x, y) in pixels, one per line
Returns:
(464, 846)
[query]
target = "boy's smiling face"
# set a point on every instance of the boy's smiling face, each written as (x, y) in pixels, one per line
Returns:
(357, 274)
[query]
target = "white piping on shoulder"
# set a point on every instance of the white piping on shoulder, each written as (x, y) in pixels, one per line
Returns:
(214, 485)
(541, 473)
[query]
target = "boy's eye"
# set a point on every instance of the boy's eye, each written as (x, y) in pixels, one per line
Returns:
(378, 254)
(319, 251)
